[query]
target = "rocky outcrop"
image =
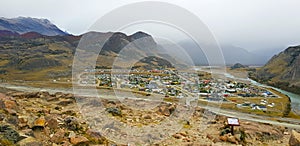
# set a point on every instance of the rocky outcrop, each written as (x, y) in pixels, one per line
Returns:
(237, 65)
(295, 139)
(282, 71)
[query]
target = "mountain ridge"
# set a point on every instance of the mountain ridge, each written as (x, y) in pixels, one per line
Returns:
(23, 25)
(282, 70)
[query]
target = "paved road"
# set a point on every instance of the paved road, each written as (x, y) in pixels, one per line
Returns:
(286, 122)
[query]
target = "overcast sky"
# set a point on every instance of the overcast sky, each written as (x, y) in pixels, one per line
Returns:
(251, 24)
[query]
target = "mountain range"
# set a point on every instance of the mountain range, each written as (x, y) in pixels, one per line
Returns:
(23, 25)
(35, 49)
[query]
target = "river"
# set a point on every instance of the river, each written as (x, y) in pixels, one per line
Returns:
(295, 98)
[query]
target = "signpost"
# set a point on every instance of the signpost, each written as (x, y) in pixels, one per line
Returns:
(233, 122)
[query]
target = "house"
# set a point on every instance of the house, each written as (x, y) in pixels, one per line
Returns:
(260, 107)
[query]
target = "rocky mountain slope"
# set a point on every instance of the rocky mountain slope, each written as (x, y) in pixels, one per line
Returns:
(33, 56)
(41, 118)
(283, 70)
(23, 25)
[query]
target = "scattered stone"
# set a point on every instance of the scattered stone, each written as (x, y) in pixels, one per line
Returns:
(52, 123)
(164, 110)
(223, 138)
(217, 140)
(39, 123)
(2, 117)
(177, 136)
(31, 95)
(8, 104)
(30, 141)
(114, 111)
(71, 134)
(147, 117)
(294, 139)
(28, 132)
(65, 103)
(79, 140)
(59, 94)
(184, 134)
(44, 95)
(212, 122)
(58, 137)
(232, 139)
(71, 123)
(22, 121)
(209, 137)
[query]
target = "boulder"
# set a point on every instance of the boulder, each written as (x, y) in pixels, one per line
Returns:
(232, 139)
(8, 133)
(114, 111)
(8, 104)
(79, 140)
(164, 110)
(39, 123)
(58, 137)
(294, 139)
(30, 141)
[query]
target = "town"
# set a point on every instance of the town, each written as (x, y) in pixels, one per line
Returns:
(174, 85)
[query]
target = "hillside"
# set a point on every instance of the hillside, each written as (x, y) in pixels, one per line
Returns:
(282, 71)
(23, 25)
(35, 57)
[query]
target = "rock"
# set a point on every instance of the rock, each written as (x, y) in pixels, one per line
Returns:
(79, 140)
(187, 144)
(30, 141)
(286, 133)
(6, 132)
(114, 111)
(212, 122)
(49, 99)
(71, 123)
(2, 117)
(31, 95)
(215, 140)
(52, 123)
(223, 138)
(186, 139)
(294, 139)
(172, 108)
(39, 123)
(184, 134)
(95, 136)
(71, 134)
(23, 121)
(28, 132)
(59, 94)
(147, 117)
(177, 136)
(8, 104)
(209, 137)
(58, 137)
(232, 139)
(238, 137)
(44, 95)
(65, 103)
(164, 110)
